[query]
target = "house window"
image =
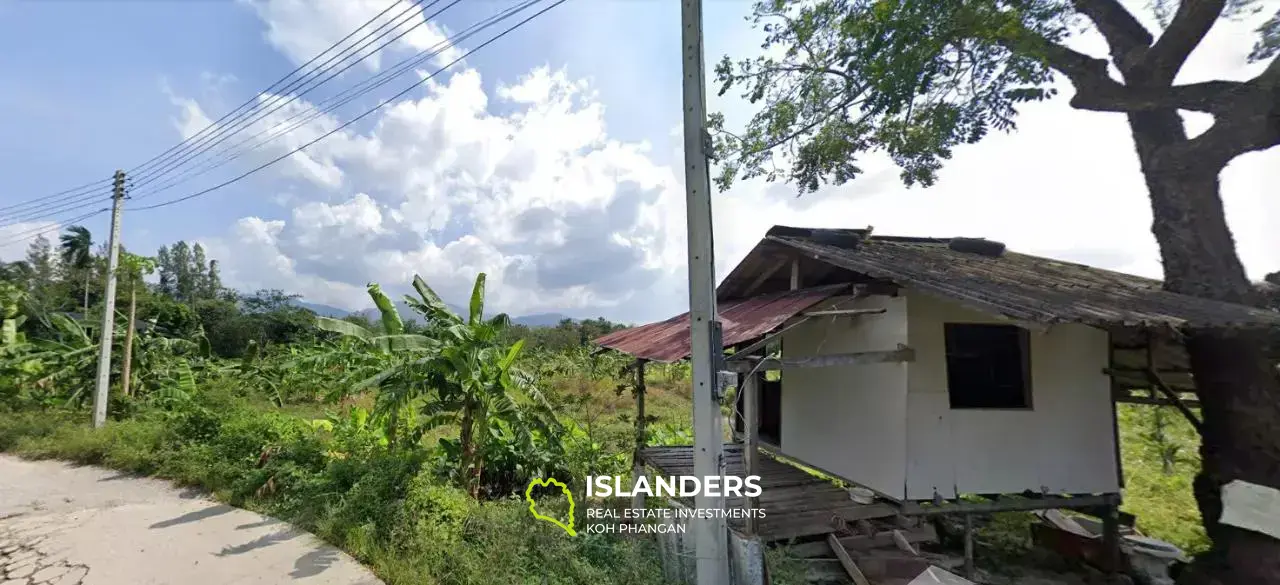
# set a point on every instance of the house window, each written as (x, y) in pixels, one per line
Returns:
(988, 366)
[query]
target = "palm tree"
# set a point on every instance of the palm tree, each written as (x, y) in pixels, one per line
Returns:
(76, 251)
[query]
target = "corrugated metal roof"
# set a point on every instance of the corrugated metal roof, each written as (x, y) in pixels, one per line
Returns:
(741, 320)
(1021, 286)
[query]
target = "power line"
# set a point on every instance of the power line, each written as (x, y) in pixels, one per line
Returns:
(31, 234)
(80, 191)
(39, 214)
(279, 100)
(230, 153)
(355, 119)
(73, 191)
(255, 100)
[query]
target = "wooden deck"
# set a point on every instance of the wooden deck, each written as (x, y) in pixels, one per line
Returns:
(795, 502)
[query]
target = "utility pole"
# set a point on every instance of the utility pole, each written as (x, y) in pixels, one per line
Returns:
(109, 305)
(710, 534)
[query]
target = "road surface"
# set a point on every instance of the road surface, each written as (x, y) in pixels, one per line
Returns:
(67, 525)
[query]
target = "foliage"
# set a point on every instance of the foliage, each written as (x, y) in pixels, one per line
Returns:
(338, 480)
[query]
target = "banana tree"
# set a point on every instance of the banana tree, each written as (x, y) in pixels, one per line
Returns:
(373, 359)
(474, 377)
(134, 268)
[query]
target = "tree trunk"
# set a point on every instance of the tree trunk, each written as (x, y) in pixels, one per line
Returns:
(1238, 389)
(128, 340)
(467, 440)
(86, 296)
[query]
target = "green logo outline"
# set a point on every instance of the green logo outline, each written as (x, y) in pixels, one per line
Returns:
(528, 496)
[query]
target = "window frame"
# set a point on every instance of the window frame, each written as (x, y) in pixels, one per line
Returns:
(1024, 350)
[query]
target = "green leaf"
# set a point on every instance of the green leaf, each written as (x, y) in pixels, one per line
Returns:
(391, 323)
(477, 300)
(435, 306)
(345, 328)
(511, 355)
(405, 342)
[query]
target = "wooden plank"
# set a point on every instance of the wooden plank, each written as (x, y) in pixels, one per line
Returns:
(902, 354)
(795, 274)
(884, 539)
(1131, 399)
(842, 312)
(1009, 505)
(850, 567)
(900, 540)
(1177, 402)
(637, 466)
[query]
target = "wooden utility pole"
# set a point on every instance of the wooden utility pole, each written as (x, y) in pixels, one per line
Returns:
(711, 534)
(109, 306)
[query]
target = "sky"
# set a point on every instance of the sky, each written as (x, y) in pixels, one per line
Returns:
(549, 159)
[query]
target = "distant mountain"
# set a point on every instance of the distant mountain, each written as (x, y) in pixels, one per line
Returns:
(540, 320)
(324, 310)
(408, 314)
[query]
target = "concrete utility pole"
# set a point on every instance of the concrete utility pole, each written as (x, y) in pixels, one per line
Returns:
(109, 306)
(710, 534)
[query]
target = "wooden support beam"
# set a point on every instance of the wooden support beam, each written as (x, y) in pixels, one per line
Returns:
(842, 312)
(902, 354)
(1173, 397)
(795, 274)
(764, 277)
(968, 547)
(846, 561)
(751, 453)
(1010, 505)
(1127, 398)
(637, 462)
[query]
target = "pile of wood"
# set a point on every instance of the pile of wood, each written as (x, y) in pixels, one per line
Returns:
(873, 552)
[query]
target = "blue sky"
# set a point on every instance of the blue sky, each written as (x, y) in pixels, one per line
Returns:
(556, 172)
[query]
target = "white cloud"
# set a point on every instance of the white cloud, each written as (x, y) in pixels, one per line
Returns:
(303, 29)
(14, 239)
(525, 184)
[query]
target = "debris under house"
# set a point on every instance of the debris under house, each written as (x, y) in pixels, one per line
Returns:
(916, 371)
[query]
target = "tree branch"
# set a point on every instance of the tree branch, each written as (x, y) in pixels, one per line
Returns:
(1214, 97)
(1251, 123)
(1126, 37)
(1190, 24)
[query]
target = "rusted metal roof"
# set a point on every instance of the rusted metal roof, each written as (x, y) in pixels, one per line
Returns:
(741, 320)
(1018, 286)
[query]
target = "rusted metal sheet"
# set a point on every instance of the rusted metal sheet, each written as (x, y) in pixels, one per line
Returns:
(742, 320)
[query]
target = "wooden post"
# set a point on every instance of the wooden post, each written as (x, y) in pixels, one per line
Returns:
(795, 274)
(125, 366)
(968, 547)
(751, 448)
(1111, 538)
(637, 464)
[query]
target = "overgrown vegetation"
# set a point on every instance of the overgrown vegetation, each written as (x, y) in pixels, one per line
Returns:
(406, 440)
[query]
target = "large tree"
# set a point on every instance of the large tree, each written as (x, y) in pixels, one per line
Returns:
(916, 78)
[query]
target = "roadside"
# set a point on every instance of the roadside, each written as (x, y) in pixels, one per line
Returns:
(67, 525)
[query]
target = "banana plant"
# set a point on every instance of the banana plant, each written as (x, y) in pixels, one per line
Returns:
(474, 377)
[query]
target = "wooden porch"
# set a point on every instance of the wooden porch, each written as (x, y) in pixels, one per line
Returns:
(795, 503)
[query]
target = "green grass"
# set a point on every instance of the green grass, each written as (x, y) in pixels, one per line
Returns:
(389, 509)
(1162, 502)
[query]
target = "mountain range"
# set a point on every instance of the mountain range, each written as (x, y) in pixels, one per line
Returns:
(534, 320)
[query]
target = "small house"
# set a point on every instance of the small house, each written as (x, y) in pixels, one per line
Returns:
(923, 369)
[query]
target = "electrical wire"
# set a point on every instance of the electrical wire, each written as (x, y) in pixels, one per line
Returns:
(255, 101)
(230, 153)
(283, 99)
(353, 120)
(78, 193)
(32, 234)
(53, 210)
(72, 191)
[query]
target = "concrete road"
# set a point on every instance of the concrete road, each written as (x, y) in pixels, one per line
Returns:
(67, 525)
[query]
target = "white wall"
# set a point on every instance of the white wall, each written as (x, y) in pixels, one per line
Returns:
(1063, 444)
(849, 420)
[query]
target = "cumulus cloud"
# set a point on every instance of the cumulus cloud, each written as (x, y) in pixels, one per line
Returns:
(524, 182)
